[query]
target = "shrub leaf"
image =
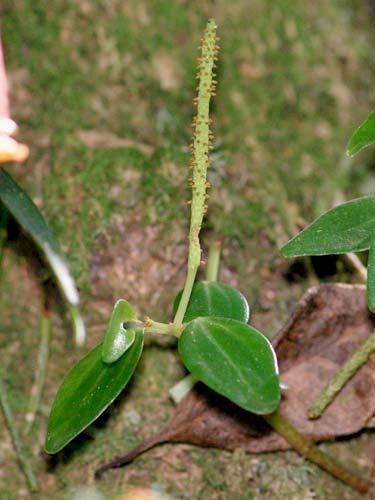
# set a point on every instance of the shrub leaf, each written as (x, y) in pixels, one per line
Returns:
(212, 298)
(233, 359)
(87, 390)
(117, 339)
(364, 135)
(345, 228)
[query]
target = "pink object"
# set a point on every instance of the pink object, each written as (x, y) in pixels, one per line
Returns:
(4, 96)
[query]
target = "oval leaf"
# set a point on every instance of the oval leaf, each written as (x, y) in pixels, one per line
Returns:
(371, 276)
(364, 135)
(87, 390)
(234, 360)
(28, 216)
(211, 298)
(345, 228)
(117, 339)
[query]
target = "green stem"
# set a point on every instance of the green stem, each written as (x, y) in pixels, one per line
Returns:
(78, 325)
(185, 297)
(151, 326)
(213, 261)
(310, 451)
(37, 390)
(357, 359)
(179, 390)
(16, 440)
(199, 161)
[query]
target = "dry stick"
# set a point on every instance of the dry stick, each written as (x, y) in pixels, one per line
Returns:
(37, 390)
(356, 265)
(310, 451)
(17, 443)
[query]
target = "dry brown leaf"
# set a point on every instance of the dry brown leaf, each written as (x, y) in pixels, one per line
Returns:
(330, 321)
(107, 140)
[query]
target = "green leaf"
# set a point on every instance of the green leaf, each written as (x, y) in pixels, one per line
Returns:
(233, 359)
(211, 298)
(117, 339)
(87, 390)
(371, 276)
(27, 214)
(364, 135)
(345, 228)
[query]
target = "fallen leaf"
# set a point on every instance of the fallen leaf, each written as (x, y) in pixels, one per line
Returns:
(106, 140)
(330, 321)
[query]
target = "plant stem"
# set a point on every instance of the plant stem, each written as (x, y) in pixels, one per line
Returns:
(356, 265)
(37, 390)
(310, 451)
(213, 260)
(357, 359)
(179, 390)
(185, 297)
(152, 326)
(199, 161)
(77, 324)
(17, 443)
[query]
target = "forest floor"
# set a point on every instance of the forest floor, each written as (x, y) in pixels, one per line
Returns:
(103, 92)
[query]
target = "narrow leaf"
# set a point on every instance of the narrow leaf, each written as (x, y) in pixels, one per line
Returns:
(87, 390)
(345, 228)
(27, 214)
(233, 359)
(211, 298)
(117, 339)
(364, 135)
(371, 276)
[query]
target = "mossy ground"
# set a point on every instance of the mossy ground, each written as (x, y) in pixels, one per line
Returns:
(102, 92)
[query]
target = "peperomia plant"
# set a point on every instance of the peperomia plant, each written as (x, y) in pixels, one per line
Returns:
(215, 342)
(349, 227)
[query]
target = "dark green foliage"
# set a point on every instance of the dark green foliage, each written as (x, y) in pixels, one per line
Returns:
(117, 339)
(345, 228)
(364, 135)
(210, 298)
(87, 390)
(233, 359)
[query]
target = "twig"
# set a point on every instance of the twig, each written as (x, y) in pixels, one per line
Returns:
(37, 390)
(356, 265)
(310, 451)
(357, 359)
(23, 460)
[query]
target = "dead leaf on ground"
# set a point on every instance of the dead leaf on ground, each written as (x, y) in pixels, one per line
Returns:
(330, 321)
(107, 140)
